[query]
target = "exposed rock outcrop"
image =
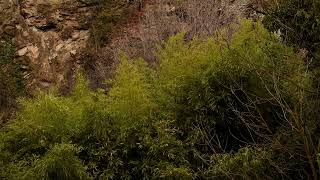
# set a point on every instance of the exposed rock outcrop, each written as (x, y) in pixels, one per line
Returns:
(49, 33)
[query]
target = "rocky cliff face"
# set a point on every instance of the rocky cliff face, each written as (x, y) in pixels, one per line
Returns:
(48, 34)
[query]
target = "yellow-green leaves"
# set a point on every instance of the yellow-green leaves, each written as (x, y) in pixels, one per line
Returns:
(130, 99)
(207, 111)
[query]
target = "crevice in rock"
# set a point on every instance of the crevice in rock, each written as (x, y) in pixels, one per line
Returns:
(47, 27)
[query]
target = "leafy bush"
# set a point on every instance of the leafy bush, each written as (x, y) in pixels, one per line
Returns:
(248, 163)
(11, 80)
(298, 22)
(7, 52)
(230, 87)
(210, 110)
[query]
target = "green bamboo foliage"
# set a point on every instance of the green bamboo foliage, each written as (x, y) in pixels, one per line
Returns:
(214, 109)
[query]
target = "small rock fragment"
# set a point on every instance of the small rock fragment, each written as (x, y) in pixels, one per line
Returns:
(23, 51)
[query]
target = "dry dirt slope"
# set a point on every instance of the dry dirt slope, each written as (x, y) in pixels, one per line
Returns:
(156, 22)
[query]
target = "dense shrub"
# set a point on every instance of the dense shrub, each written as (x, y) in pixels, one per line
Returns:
(298, 21)
(11, 80)
(298, 24)
(219, 85)
(212, 109)
(248, 163)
